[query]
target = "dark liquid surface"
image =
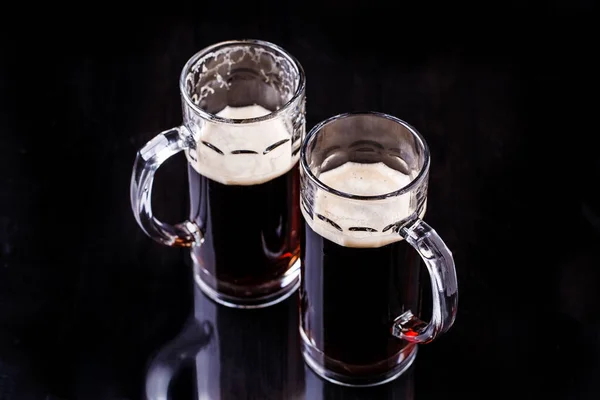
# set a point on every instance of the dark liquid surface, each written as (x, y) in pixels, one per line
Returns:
(250, 232)
(350, 297)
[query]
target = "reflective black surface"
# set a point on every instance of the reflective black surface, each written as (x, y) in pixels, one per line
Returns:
(225, 353)
(507, 107)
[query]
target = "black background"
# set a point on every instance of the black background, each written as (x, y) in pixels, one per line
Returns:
(506, 99)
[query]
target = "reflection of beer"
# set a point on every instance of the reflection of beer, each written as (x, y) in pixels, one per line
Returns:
(244, 196)
(355, 279)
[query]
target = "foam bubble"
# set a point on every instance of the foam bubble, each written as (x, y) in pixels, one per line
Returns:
(244, 154)
(362, 223)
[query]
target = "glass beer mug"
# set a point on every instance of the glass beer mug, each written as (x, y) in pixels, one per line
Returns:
(363, 185)
(243, 125)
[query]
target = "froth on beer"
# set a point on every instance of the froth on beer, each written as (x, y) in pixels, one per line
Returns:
(244, 154)
(362, 223)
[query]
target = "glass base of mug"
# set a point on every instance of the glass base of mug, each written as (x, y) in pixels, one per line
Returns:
(265, 295)
(337, 372)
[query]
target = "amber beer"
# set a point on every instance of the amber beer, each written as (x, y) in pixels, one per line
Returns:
(350, 295)
(251, 232)
(244, 193)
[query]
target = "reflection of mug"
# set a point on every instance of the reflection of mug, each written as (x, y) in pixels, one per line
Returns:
(232, 354)
(224, 354)
(243, 124)
(402, 388)
(363, 194)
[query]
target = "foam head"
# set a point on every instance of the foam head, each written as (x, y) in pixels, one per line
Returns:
(360, 223)
(363, 176)
(243, 154)
(225, 88)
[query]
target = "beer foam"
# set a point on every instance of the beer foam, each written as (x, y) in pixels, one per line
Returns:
(360, 223)
(243, 154)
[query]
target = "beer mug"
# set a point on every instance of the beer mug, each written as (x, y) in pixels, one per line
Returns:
(363, 185)
(243, 125)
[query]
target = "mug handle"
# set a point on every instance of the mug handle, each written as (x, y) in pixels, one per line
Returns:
(147, 161)
(440, 264)
(176, 354)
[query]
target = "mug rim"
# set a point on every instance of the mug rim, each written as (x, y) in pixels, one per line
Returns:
(415, 182)
(273, 114)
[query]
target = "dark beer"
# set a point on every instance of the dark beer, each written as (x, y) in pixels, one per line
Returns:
(251, 232)
(358, 276)
(350, 296)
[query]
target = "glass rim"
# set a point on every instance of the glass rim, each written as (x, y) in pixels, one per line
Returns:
(405, 189)
(273, 114)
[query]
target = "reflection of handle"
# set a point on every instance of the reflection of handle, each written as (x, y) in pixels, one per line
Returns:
(173, 356)
(148, 159)
(440, 264)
